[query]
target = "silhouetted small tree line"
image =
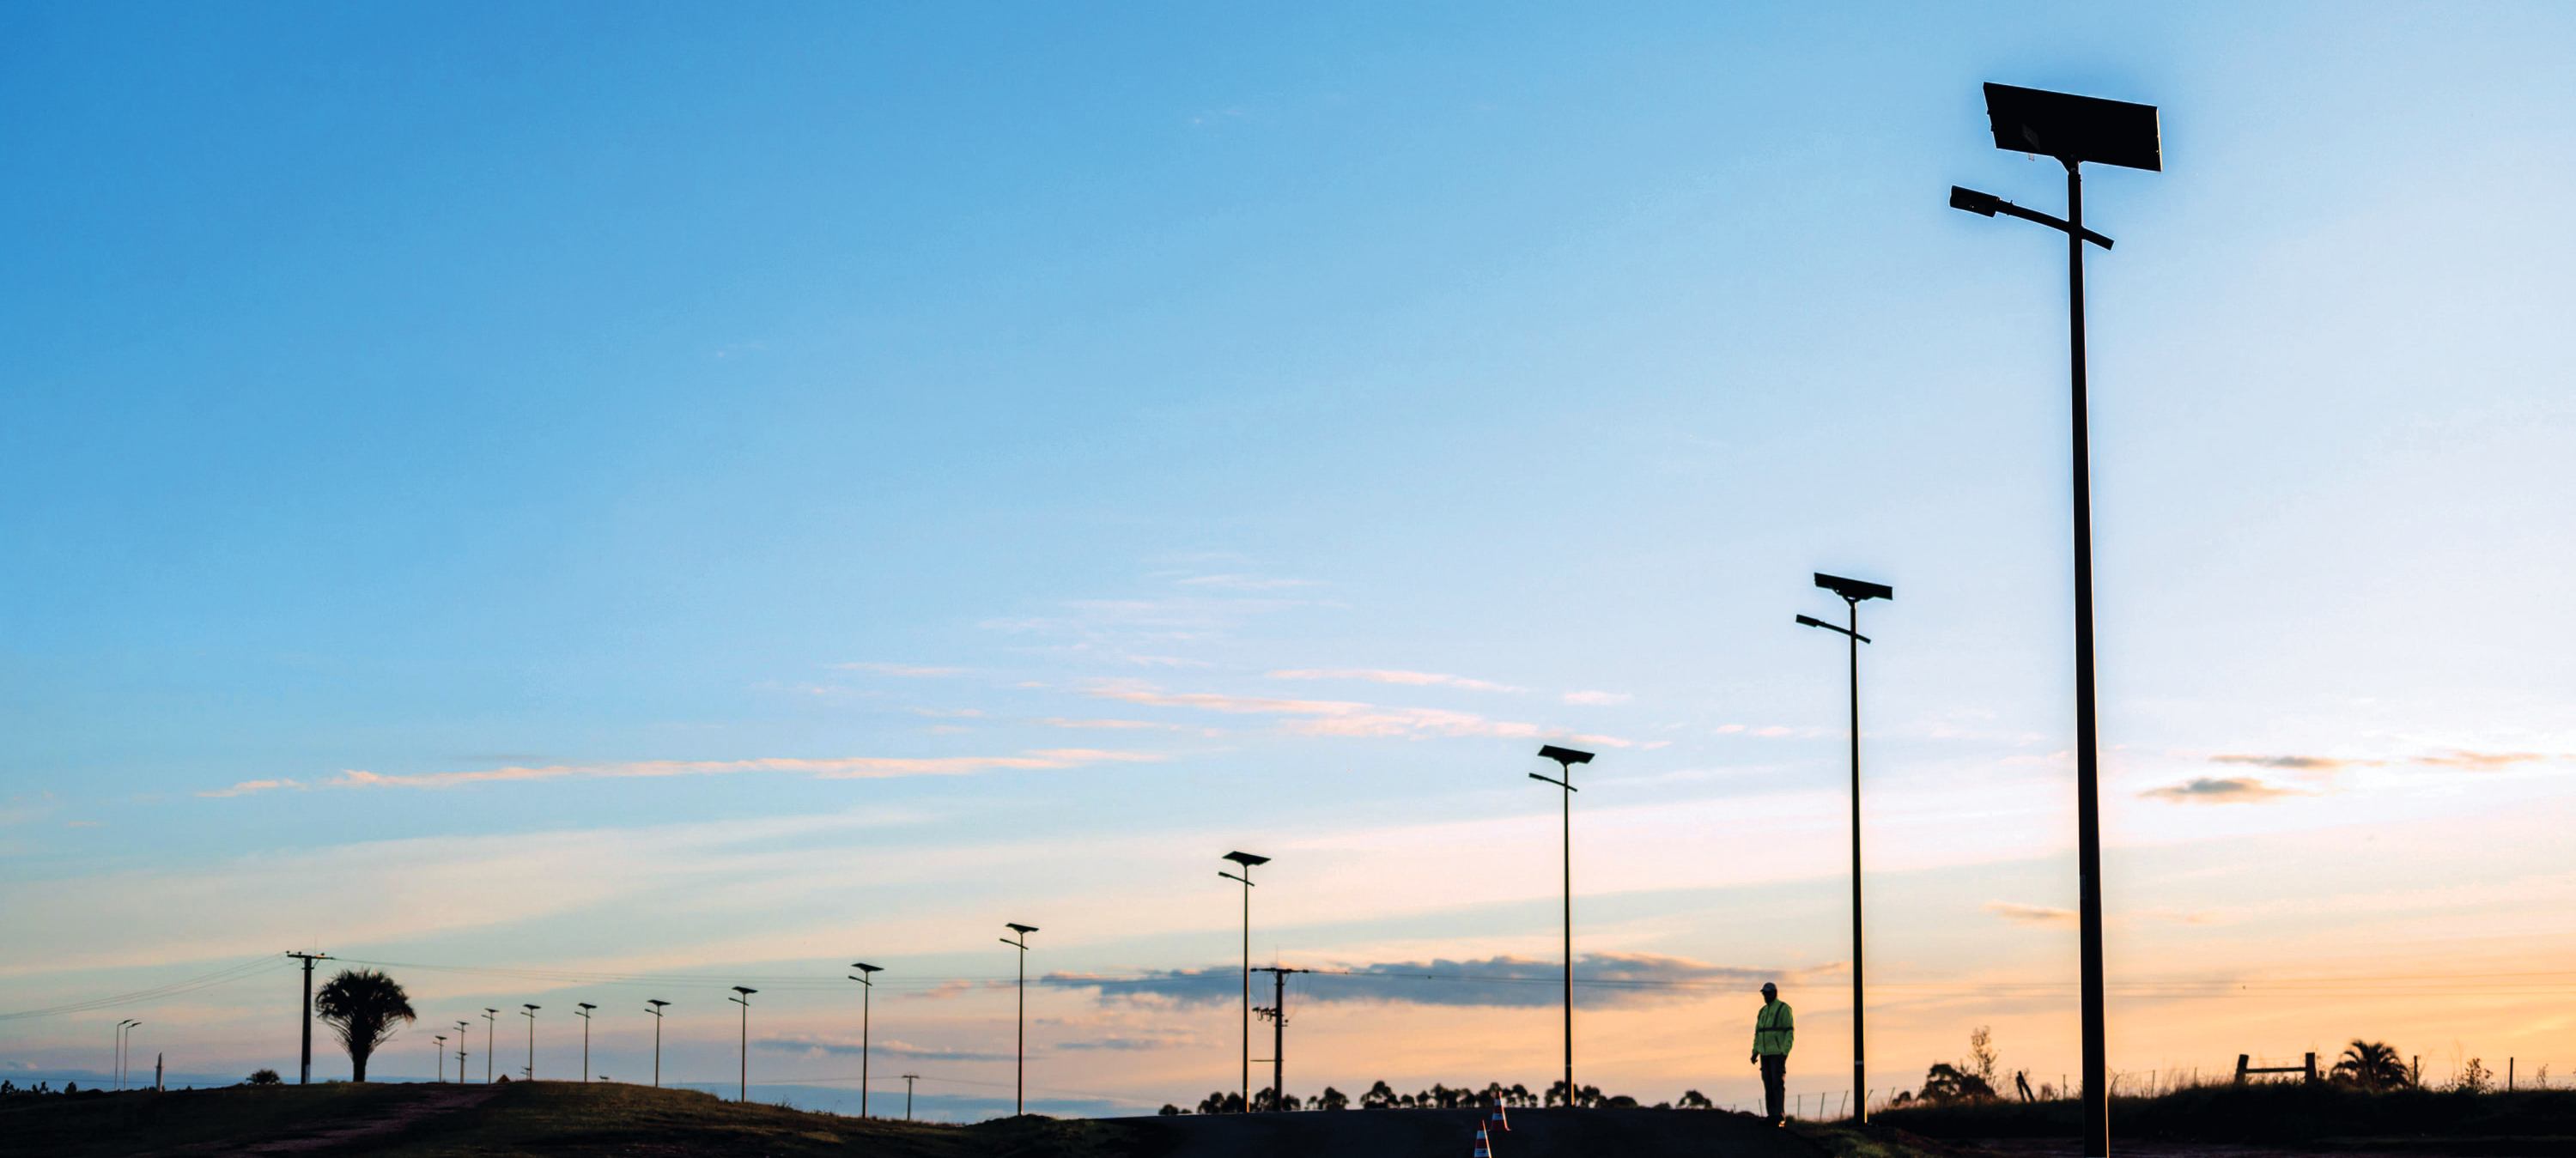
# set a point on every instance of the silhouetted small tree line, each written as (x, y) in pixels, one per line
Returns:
(1381, 1096)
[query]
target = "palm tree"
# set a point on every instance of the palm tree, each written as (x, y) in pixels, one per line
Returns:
(2372, 1065)
(361, 1006)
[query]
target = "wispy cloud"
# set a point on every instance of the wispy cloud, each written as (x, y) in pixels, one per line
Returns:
(1394, 676)
(2218, 790)
(1130, 1042)
(2290, 763)
(1241, 582)
(905, 670)
(839, 768)
(1609, 978)
(1344, 717)
(820, 1047)
(247, 787)
(1110, 725)
(2478, 761)
(948, 713)
(1597, 698)
(2021, 914)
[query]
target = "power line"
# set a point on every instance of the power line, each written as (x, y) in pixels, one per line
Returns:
(225, 976)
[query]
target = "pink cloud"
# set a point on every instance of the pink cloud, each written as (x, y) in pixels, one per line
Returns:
(1393, 676)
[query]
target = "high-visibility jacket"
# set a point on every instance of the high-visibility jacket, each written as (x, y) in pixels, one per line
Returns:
(1774, 1029)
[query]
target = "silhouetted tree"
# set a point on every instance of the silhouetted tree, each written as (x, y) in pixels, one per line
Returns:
(1378, 1097)
(2476, 1077)
(1948, 1083)
(1168, 1111)
(1332, 1099)
(1695, 1100)
(263, 1077)
(362, 1006)
(1521, 1095)
(2371, 1065)
(1981, 1054)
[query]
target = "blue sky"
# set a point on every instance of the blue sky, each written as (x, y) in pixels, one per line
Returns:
(655, 492)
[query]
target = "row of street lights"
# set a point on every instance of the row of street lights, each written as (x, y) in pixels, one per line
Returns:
(2072, 130)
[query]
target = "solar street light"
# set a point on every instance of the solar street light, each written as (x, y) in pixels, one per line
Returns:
(1247, 860)
(2076, 130)
(1854, 592)
(1020, 1078)
(653, 1005)
(742, 1093)
(1566, 759)
(582, 1011)
(867, 992)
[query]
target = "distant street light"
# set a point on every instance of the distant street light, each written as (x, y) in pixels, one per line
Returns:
(1853, 592)
(1247, 860)
(742, 1093)
(438, 1053)
(867, 991)
(122, 1028)
(1020, 1079)
(488, 1014)
(907, 1095)
(654, 1006)
(2076, 129)
(582, 1010)
(461, 1051)
(1566, 759)
(530, 1012)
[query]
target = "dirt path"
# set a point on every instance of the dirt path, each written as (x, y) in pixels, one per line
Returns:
(1407, 1133)
(333, 1133)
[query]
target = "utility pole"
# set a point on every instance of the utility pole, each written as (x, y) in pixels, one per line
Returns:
(438, 1050)
(582, 1010)
(462, 1028)
(1277, 1012)
(306, 1076)
(907, 1095)
(742, 1092)
(488, 1015)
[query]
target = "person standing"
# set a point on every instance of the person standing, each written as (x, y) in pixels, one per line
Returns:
(1774, 1030)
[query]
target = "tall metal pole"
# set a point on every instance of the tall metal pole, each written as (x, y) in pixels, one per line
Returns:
(1020, 1078)
(2088, 854)
(1860, 1077)
(1247, 860)
(1020, 1050)
(653, 1005)
(583, 1010)
(488, 1015)
(866, 977)
(742, 1092)
(1567, 797)
(1247, 989)
(907, 1096)
(530, 1012)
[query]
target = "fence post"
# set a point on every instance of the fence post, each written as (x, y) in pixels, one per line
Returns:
(2312, 1067)
(2241, 1061)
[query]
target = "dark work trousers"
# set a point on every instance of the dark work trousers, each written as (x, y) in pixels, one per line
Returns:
(1775, 1083)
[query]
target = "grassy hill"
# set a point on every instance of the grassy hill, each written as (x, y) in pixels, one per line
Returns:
(569, 1120)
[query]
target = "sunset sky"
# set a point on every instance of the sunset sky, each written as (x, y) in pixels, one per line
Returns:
(592, 502)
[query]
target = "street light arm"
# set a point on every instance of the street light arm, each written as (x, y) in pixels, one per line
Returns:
(1988, 205)
(1553, 780)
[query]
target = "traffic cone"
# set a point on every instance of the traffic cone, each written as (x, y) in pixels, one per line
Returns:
(1484, 1149)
